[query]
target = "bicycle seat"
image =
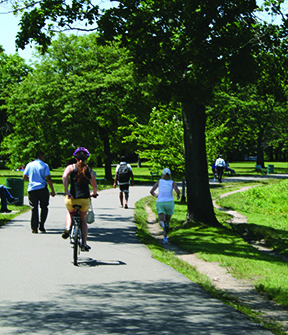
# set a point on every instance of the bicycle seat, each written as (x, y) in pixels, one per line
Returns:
(77, 206)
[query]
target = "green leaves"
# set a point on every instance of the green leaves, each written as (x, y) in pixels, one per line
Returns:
(75, 97)
(190, 45)
(161, 140)
(41, 20)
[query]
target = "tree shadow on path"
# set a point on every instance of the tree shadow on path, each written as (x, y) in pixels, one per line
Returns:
(137, 308)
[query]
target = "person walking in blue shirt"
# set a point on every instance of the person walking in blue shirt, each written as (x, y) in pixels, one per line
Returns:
(219, 167)
(38, 175)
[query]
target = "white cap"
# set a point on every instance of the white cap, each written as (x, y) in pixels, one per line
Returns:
(166, 171)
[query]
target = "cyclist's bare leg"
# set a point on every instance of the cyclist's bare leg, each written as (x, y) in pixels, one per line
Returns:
(68, 220)
(66, 232)
(84, 227)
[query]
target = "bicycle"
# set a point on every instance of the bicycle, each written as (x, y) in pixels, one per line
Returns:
(75, 232)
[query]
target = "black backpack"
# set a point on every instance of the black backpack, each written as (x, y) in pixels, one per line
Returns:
(123, 173)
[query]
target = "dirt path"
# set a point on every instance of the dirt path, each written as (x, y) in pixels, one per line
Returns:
(243, 290)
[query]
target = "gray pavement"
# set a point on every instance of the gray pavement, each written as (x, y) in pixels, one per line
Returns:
(118, 288)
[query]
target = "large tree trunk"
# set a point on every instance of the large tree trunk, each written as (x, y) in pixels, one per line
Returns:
(107, 152)
(200, 206)
(260, 153)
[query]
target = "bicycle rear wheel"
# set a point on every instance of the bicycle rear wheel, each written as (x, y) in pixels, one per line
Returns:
(76, 248)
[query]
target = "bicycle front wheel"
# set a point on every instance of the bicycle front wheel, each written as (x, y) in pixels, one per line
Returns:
(76, 249)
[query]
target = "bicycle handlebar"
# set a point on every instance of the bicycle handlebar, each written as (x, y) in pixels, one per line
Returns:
(63, 193)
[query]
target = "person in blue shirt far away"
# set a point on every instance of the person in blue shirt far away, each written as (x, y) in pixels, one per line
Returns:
(38, 175)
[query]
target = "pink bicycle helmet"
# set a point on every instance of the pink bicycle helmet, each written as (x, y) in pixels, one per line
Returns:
(81, 150)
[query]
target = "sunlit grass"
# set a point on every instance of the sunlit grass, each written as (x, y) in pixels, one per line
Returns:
(228, 247)
(267, 212)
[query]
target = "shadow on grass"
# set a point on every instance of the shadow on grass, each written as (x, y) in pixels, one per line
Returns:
(196, 238)
(3, 222)
(276, 239)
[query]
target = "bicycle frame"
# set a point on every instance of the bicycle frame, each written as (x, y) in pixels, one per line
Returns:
(76, 231)
(76, 234)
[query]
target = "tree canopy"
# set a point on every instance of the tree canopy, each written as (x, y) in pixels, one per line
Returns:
(75, 96)
(191, 46)
(13, 70)
(188, 47)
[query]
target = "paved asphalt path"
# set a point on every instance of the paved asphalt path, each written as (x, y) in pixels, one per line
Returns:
(117, 289)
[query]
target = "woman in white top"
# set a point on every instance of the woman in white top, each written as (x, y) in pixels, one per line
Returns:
(165, 201)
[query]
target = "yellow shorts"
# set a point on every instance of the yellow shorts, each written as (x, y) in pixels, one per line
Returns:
(85, 203)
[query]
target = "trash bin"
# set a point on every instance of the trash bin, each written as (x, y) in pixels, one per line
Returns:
(270, 169)
(16, 187)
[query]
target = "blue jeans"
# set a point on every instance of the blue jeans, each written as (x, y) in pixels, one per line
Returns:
(4, 195)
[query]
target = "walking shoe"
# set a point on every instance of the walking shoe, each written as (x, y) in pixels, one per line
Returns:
(65, 234)
(5, 210)
(85, 248)
(165, 240)
(35, 231)
(13, 201)
(42, 230)
(126, 206)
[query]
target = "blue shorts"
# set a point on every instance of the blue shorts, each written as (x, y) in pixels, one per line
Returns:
(165, 207)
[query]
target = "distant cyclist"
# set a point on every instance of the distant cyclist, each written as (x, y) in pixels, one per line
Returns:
(81, 176)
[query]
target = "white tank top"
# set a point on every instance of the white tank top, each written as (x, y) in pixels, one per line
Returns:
(165, 190)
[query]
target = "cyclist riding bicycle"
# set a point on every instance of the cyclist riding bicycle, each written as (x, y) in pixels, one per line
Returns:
(81, 176)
